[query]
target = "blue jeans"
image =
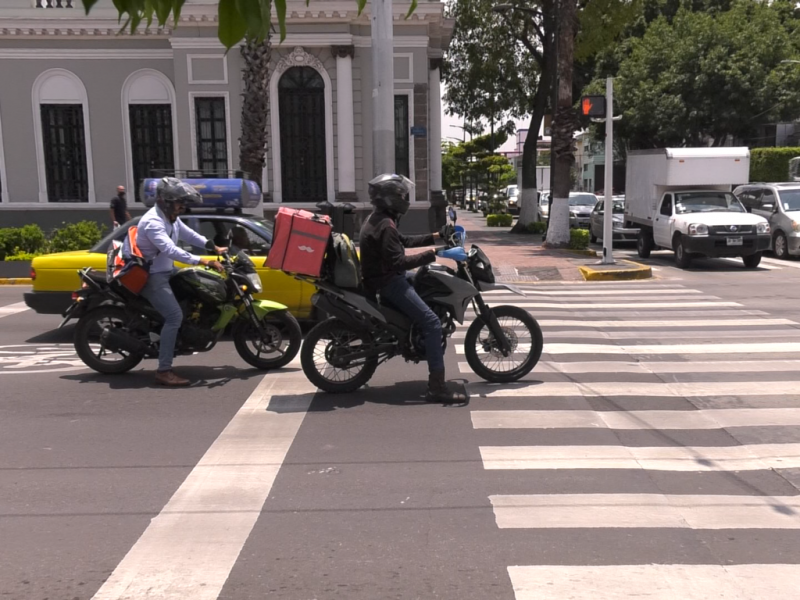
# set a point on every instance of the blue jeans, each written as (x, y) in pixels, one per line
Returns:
(159, 293)
(400, 295)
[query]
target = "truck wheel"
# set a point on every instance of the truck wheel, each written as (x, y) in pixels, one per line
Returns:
(780, 246)
(752, 260)
(644, 244)
(682, 258)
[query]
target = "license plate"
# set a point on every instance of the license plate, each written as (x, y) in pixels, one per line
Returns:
(734, 241)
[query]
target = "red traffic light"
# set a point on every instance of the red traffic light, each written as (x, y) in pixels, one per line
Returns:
(593, 106)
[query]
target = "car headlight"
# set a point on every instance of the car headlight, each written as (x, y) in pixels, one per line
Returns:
(698, 229)
(796, 225)
(573, 215)
(617, 224)
(762, 228)
(255, 281)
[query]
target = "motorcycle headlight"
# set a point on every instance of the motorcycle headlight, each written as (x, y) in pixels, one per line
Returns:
(255, 282)
(698, 229)
(762, 228)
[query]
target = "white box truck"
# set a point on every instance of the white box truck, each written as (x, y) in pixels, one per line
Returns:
(681, 200)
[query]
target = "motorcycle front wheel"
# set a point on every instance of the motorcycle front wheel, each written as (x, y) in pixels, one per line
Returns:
(483, 350)
(320, 357)
(273, 348)
(89, 345)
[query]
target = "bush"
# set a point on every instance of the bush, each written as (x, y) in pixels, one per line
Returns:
(499, 220)
(537, 227)
(22, 256)
(33, 240)
(771, 164)
(10, 240)
(578, 239)
(76, 236)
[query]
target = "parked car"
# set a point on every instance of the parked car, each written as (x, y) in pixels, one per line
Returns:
(543, 208)
(55, 276)
(512, 193)
(620, 232)
(779, 203)
(581, 205)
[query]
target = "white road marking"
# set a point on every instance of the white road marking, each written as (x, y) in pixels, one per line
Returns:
(691, 389)
(732, 366)
(583, 315)
(590, 334)
(655, 582)
(591, 511)
(189, 549)
(686, 323)
(781, 263)
(754, 457)
(639, 305)
(651, 349)
(12, 309)
(665, 291)
(636, 419)
(738, 261)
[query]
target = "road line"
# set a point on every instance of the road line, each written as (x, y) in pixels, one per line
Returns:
(688, 323)
(781, 263)
(589, 334)
(189, 549)
(639, 305)
(605, 292)
(638, 419)
(595, 511)
(761, 266)
(580, 316)
(689, 389)
(655, 582)
(648, 350)
(657, 367)
(754, 457)
(12, 309)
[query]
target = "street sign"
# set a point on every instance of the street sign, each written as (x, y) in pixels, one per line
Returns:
(593, 106)
(419, 131)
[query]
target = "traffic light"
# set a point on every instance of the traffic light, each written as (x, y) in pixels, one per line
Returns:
(593, 106)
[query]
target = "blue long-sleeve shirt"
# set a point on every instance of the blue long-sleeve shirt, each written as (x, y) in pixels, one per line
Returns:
(157, 240)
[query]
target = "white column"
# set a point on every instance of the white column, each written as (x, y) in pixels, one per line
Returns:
(435, 127)
(344, 114)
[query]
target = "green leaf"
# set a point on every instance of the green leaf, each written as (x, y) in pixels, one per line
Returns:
(232, 25)
(280, 8)
(360, 3)
(266, 17)
(411, 9)
(177, 6)
(149, 10)
(88, 4)
(163, 10)
(250, 10)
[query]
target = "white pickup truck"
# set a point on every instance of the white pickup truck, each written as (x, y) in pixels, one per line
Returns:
(681, 200)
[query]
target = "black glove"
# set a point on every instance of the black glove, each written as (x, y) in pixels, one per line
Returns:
(447, 232)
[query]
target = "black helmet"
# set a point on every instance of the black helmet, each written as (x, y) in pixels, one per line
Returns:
(171, 191)
(391, 193)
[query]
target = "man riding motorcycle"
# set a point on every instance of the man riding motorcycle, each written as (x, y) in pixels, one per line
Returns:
(384, 266)
(158, 233)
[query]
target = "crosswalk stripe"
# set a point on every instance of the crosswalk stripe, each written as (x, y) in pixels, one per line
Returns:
(672, 324)
(571, 511)
(639, 305)
(669, 291)
(582, 315)
(722, 418)
(654, 335)
(12, 309)
(650, 349)
(694, 389)
(768, 267)
(754, 457)
(595, 298)
(781, 263)
(666, 367)
(655, 582)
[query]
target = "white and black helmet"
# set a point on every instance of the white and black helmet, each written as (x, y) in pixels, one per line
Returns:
(171, 191)
(392, 193)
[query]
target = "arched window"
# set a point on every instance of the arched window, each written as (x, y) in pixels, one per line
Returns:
(148, 125)
(63, 140)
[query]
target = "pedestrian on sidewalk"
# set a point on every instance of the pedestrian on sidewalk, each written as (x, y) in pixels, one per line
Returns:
(119, 208)
(452, 214)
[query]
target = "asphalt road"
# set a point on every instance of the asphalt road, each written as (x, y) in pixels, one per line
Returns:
(654, 452)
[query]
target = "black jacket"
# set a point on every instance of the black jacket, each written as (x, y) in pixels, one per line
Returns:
(383, 250)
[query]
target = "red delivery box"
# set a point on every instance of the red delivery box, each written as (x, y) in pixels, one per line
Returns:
(299, 242)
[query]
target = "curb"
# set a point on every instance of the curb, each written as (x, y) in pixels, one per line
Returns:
(592, 253)
(16, 281)
(636, 271)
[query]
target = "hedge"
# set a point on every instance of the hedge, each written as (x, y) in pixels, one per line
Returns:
(499, 220)
(24, 243)
(537, 227)
(578, 239)
(771, 164)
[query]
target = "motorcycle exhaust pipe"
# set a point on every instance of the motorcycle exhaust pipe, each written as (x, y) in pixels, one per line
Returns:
(115, 340)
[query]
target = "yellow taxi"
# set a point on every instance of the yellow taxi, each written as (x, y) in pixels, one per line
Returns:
(55, 276)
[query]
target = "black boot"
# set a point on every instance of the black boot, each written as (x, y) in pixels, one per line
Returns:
(438, 392)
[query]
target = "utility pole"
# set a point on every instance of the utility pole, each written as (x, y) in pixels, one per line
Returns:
(383, 160)
(608, 202)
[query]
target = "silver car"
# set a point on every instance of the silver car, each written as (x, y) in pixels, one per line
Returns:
(543, 210)
(580, 209)
(779, 203)
(620, 232)
(512, 193)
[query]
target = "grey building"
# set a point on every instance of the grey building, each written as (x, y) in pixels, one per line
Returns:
(85, 108)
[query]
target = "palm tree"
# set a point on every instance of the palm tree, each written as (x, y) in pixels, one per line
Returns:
(255, 107)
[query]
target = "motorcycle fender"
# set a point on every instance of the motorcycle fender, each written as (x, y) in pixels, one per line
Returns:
(264, 307)
(227, 312)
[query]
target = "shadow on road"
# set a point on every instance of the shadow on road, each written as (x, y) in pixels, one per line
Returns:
(406, 393)
(201, 376)
(54, 336)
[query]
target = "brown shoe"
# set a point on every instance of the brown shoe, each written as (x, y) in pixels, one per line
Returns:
(169, 378)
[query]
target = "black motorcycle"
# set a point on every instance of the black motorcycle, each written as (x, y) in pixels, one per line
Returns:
(501, 345)
(116, 329)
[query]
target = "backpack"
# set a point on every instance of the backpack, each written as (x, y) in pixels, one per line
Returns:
(125, 264)
(344, 268)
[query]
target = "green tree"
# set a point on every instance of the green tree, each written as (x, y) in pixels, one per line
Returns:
(695, 77)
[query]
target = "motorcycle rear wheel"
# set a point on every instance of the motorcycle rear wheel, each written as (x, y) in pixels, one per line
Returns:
(286, 337)
(484, 356)
(91, 351)
(320, 347)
